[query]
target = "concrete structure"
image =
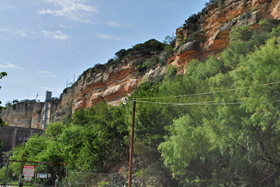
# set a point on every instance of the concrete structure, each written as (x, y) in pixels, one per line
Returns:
(10, 137)
(47, 109)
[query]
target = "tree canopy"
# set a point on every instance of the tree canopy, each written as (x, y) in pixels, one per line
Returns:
(216, 125)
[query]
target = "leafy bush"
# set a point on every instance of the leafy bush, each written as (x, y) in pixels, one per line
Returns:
(149, 63)
(8, 103)
(206, 136)
(231, 135)
(170, 40)
(213, 2)
(121, 53)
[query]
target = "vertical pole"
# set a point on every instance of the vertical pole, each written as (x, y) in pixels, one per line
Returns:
(20, 182)
(7, 168)
(131, 144)
(112, 184)
(23, 150)
(56, 181)
(14, 139)
(35, 177)
(127, 149)
(22, 158)
(66, 175)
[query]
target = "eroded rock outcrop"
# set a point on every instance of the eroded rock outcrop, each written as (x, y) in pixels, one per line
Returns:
(98, 84)
(112, 84)
(213, 32)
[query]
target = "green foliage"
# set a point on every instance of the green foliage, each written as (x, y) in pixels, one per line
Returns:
(88, 142)
(244, 41)
(214, 2)
(263, 21)
(149, 47)
(253, 9)
(150, 63)
(74, 84)
(223, 144)
(246, 15)
(216, 125)
(121, 53)
(170, 40)
(138, 47)
(169, 49)
(3, 74)
(171, 71)
(8, 103)
(241, 33)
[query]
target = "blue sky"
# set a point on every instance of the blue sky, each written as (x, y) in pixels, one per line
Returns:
(45, 42)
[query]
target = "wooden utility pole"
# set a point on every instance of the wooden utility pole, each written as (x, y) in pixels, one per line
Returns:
(131, 144)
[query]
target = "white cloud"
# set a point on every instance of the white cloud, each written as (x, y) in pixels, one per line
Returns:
(7, 7)
(56, 35)
(11, 66)
(107, 37)
(66, 26)
(44, 72)
(24, 32)
(75, 10)
(5, 30)
(114, 24)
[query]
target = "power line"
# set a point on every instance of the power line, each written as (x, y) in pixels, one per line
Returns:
(203, 103)
(76, 143)
(205, 93)
(98, 122)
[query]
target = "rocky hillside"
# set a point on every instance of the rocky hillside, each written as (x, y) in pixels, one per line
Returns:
(203, 34)
(210, 36)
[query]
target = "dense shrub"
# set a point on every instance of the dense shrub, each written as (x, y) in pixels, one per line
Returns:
(150, 63)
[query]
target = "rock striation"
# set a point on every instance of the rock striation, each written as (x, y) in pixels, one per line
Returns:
(112, 84)
(214, 30)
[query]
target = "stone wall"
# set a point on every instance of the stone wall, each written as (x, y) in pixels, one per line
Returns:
(27, 115)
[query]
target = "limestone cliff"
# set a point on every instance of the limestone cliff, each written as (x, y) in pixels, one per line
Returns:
(112, 83)
(212, 36)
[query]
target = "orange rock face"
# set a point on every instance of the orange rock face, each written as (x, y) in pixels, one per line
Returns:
(214, 31)
(113, 84)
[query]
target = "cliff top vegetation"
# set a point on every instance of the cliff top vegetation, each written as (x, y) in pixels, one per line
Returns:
(216, 125)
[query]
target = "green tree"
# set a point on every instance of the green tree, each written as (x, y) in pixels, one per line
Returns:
(121, 53)
(236, 143)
